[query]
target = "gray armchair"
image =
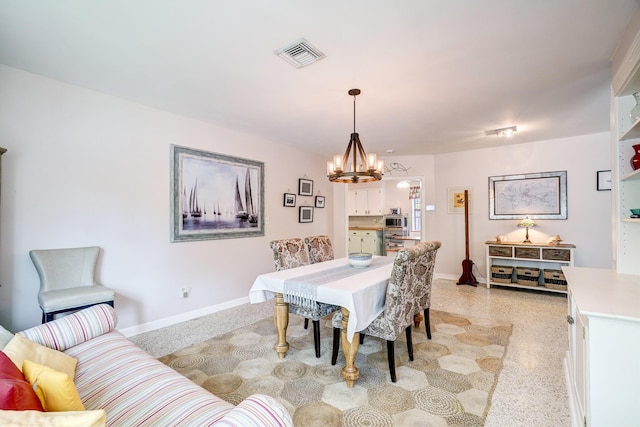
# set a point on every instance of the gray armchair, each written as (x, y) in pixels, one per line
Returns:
(291, 253)
(405, 292)
(67, 280)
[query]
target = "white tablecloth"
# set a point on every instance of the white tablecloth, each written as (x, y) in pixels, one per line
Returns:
(362, 294)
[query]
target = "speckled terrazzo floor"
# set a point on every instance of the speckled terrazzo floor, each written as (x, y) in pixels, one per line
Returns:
(531, 389)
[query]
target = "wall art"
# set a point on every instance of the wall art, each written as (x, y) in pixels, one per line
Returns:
(536, 195)
(455, 199)
(289, 200)
(305, 214)
(215, 196)
(305, 187)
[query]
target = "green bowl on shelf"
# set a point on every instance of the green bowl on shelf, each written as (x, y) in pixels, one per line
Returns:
(635, 211)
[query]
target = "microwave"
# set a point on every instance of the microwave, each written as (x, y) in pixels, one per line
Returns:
(396, 221)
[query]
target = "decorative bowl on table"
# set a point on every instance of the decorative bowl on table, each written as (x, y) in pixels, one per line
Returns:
(360, 259)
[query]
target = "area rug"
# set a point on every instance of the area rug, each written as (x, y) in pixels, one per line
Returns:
(449, 382)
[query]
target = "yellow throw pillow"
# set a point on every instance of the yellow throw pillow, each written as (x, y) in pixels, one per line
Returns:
(97, 418)
(56, 390)
(20, 348)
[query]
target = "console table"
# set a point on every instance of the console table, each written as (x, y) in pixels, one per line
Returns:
(528, 255)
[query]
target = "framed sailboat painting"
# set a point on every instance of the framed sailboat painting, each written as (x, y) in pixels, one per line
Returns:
(215, 196)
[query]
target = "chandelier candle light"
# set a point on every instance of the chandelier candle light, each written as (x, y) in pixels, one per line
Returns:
(353, 171)
(527, 223)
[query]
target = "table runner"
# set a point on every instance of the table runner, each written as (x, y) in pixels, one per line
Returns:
(302, 290)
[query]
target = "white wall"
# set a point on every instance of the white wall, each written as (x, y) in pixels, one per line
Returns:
(83, 168)
(589, 211)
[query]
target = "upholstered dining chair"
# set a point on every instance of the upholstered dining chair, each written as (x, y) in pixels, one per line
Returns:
(291, 253)
(67, 280)
(320, 248)
(423, 303)
(404, 290)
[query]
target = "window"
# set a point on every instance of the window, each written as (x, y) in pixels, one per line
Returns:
(416, 215)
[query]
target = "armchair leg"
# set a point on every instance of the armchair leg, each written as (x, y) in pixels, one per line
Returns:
(392, 360)
(427, 323)
(316, 336)
(336, 345)
(306, 323)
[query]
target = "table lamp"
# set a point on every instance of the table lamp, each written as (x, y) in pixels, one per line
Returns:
(526, 223)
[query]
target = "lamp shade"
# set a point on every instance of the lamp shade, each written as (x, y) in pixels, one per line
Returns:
(526, 223)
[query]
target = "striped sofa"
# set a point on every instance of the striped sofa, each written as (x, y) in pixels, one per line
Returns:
(134, 388)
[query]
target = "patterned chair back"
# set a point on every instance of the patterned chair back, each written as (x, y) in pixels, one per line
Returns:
(428, 251)
(320, 248)
(405, 290)
(289, 253)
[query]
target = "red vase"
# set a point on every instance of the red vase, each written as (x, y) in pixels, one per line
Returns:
(635, 160)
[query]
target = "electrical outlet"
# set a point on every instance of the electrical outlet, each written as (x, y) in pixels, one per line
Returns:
(185, 292)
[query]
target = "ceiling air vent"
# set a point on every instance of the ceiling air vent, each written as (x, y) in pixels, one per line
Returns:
(299, 53)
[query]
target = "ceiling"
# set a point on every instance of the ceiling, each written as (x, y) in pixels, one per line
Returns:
(434, 74)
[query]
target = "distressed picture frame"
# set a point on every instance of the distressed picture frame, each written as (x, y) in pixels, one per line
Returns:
(215, 196)
(541, 195)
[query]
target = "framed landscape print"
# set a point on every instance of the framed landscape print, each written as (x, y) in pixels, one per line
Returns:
(215, 196)
(305, 214)
(540, 195)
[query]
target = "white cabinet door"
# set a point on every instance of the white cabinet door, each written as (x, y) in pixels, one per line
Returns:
(370, 244)
(375, 201)
(365, 201)
(355, 242)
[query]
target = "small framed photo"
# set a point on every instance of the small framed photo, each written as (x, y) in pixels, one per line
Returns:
(455, 199)
(604, 180)
(305, 187)
(289, 200)
(319, 201)
(305, 214)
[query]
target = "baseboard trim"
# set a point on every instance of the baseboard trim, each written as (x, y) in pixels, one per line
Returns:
(454, 277)
(182, 317)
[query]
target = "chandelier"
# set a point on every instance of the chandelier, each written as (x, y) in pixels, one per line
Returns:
(355, 165)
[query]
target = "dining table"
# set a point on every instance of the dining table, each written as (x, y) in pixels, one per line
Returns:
(359, 291)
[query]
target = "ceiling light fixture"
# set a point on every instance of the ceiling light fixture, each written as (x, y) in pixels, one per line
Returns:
(344, 170)
(507, 132)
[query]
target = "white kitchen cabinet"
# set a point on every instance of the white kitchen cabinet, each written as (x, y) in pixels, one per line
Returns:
(366, 201)
(603, 378)
(369, 241)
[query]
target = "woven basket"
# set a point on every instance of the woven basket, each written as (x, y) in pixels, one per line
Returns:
(527, 276)
(554, 279)
(501, 273)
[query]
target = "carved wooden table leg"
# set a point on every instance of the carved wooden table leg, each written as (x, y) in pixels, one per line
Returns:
(350, 373)
(281, 320)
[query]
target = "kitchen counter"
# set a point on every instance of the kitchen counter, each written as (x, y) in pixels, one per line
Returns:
(366, 228)
(399, 237)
